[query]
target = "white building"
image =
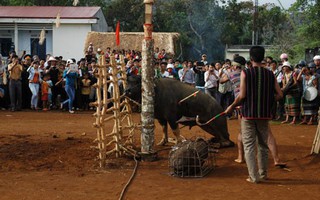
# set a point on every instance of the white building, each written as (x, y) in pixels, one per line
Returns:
(20, 27)
(241, 50)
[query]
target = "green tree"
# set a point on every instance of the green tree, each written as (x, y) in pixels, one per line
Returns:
(307, 24)
(130, 13)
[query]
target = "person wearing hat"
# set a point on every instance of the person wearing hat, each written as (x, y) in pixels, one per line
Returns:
(316, 61)
(53, 71)
(309, 107)
(238, 65)
(284, 57)
(291, 92)
(171, 71)
(97, 55)
(70, 87)
(204, 59)
(234, 75)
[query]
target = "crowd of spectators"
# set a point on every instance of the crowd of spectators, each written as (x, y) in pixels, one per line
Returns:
(28, 82)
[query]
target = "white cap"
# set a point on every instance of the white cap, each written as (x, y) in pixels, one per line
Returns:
(317, 57)
(70, 61)
(170, 66)
(51, 58)
(286, 64)
(98, 49)
(283, 56)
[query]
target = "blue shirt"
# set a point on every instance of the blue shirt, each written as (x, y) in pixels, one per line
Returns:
(71, 77)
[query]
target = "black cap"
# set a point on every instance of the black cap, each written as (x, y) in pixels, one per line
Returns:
(239, 59)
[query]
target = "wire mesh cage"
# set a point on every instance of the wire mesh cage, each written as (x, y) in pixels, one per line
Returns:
(191, 159)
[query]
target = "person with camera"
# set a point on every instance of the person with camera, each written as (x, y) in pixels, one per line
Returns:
(310, 97)
(291, 93)
(70, 75)
(34, 83)
(54, 72)
(211, 81)
(15, 86)
(225, 88)
(199, 70)
(187, 74)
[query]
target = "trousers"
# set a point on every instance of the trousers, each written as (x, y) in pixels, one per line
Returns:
(34, 88)
(15, 94)
(255, 132)
(70, 90)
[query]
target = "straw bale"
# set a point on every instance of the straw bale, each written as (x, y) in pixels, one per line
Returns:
(132, 40)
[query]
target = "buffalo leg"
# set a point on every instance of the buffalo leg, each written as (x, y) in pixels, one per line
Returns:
(164, 139)
(176, 133)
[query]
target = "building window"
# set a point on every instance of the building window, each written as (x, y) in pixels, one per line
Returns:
(37, 49)
(5, 46)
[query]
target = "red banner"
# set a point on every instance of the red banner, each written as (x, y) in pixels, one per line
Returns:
(118, 34)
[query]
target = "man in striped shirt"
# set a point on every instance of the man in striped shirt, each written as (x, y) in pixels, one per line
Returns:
(258, 88)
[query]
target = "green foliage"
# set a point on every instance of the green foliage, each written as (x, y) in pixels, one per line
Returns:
(206, 26)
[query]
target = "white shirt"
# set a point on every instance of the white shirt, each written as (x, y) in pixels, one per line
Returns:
(165, 74)
(279, 76)
(212, 81)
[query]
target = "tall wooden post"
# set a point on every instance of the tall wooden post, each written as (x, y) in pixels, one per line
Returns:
(147, 110)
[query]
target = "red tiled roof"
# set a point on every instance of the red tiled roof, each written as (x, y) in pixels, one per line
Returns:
(48, 12)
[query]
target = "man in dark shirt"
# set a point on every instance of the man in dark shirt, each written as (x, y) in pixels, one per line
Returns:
(258, 88)
(199, 71)
(53, 71)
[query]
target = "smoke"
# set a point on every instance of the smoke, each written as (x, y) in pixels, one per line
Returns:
(206, 23)
(200, 24)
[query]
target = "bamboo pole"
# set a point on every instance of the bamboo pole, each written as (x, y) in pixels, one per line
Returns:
(98, 123)
(115, 141)
(316, 142)
(126, 105)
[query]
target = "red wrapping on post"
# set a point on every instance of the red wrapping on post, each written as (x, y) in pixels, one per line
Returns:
(118, 33)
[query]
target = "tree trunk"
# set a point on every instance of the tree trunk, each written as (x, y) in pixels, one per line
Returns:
(147, 110)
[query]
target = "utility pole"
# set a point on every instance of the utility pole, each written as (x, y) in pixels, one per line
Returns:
(148, 95)
(255, 27)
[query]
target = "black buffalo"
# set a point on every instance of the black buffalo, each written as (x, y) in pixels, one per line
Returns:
(168, 93)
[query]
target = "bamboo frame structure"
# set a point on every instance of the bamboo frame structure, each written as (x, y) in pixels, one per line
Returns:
(316, 142)
(120, 140)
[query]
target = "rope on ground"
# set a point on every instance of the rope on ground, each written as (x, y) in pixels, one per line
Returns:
(130, 180)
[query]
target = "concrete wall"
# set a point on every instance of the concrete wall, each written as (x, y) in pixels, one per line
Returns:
(69, 39)
(24, 38)
(101, 25)
(242, 50)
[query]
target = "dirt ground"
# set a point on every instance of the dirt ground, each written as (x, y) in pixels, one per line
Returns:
(50, 156)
